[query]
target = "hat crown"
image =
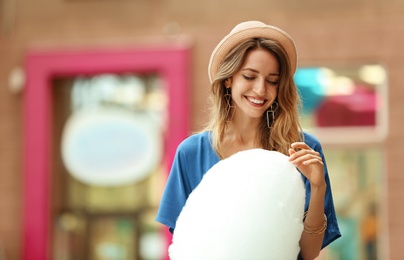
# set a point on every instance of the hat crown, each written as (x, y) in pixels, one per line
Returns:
(247, 25)
(248, 30)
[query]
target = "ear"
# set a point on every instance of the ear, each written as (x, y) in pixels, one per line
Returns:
(227, 82)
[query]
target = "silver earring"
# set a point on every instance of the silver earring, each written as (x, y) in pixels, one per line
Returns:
(230, 108)
(271, 114)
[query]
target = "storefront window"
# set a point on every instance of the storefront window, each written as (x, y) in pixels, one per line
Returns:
(356, 178)
(110, 131)
(344, 99)
(345, 108)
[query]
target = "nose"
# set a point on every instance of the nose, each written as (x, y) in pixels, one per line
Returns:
(260, 87)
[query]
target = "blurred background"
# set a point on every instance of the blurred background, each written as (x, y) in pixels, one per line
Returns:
(95, 95)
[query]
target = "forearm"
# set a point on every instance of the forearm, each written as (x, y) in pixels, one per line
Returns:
(310, 244)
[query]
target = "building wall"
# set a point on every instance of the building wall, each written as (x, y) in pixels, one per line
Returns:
(340, 31)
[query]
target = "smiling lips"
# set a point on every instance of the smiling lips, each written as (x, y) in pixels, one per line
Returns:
(256, 101)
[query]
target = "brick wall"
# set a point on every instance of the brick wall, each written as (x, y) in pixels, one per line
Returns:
(325, 31)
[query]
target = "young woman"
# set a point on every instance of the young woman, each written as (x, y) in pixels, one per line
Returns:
(255, 105)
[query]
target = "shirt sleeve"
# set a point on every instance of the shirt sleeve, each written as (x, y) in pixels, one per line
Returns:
(332, 232)
(175, 193)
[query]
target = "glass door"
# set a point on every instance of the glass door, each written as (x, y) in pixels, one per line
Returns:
(108, 146)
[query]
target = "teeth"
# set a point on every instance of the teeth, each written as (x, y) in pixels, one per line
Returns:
(256, 101)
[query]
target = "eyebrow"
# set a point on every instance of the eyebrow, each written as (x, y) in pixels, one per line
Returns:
(256, 71)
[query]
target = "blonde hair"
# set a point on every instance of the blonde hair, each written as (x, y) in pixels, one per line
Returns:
(286, 128)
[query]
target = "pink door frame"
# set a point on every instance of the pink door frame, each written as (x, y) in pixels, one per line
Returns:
(170, 63)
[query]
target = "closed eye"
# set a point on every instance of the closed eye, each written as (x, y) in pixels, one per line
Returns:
(248, 77)
(272, 82)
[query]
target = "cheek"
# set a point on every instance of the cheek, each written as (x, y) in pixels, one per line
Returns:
(237, 89)
(273, 91)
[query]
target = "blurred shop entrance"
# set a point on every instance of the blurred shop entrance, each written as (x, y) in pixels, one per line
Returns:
(101, 131)
(107, 166)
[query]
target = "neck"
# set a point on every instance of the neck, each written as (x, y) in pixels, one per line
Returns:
(238, 139)
(244, 129)
(242, 135)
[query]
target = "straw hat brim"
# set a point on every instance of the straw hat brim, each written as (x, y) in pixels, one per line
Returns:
(248, 30)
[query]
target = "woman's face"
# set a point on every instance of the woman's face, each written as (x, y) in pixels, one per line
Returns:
(255, 86)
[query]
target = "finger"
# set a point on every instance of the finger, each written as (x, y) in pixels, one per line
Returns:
(300, 145)
(291, 151)
(296, 153)
(312, 161)
(303, 157)
(302, 153)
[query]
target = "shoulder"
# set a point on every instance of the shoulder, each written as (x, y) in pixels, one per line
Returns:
(197, 149)
(195, 142)
(312, 141)
(195, 156)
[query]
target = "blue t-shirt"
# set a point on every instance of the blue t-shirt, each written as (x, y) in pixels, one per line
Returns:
(195, 156)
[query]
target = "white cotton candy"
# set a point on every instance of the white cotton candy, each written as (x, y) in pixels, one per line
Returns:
(247, 207)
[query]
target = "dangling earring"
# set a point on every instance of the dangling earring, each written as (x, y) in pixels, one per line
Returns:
(230, 108)
(271, 114)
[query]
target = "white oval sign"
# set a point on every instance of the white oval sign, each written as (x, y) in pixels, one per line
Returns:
(110, 147)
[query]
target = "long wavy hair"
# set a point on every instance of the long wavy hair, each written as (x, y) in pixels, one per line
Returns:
(286, 128)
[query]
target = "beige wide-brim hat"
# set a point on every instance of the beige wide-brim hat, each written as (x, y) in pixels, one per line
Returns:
(248, 30)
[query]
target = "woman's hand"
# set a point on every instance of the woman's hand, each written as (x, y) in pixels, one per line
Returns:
(308, 162)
